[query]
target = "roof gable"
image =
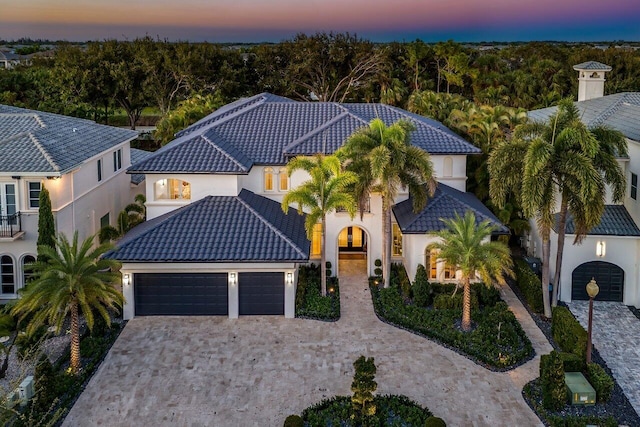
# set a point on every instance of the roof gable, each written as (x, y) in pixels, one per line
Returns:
(445, 204)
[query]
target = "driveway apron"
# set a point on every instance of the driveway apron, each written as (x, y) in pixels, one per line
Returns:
(254, 371)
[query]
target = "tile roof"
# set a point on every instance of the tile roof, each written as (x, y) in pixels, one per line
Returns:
(620, 111)
(246, 228)
(34, 141)
(615, 221)
(266, 129)
(138, 156)
(592, 65)
(444, 204)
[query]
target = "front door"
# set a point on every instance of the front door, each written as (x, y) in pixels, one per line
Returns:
(352, 239)
(8, 203)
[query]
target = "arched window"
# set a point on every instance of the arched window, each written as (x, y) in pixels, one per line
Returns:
(172, 189)
(447, 167)
(7, 275)
(283, 180)
(27, 274)
(268, 179)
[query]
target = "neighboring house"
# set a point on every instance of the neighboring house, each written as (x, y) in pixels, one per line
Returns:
(8, 59)
(217, 241)
(81, 163)
(611, 250)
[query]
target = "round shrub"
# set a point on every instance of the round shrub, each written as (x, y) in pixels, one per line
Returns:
(435, 422)
(293, 421)
(377, 271)
(377, 263)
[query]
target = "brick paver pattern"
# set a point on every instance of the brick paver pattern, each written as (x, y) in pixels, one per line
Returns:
(616, 335)
(254, 371)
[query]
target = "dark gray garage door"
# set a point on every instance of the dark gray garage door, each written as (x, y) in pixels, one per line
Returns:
(181, 294)
(610, 279)
(261, 293)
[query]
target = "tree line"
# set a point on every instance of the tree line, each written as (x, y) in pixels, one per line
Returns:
(101, 79)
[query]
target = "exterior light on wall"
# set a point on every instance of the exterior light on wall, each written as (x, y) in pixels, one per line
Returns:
(289, 278)
(232, 279)
(126, 279)
(601, 248)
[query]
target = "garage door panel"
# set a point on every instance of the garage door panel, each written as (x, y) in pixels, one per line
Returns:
(261, 293)
(180, 294)
(610, 279)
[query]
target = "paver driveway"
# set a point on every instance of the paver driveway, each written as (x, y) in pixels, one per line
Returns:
(254, 371)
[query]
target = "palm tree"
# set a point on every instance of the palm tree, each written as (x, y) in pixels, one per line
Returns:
(325, 192)
(133, 214)
(75, 279)
(467, 245)
(384, 160)
(558, 158)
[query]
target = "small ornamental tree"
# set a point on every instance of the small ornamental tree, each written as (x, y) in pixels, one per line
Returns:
(46, 226)
(363, 387)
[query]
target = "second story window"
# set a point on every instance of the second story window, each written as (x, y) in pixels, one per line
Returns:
(284, 180)
(397, 240)
(117, 160)
(99, 170)
(634, 186)
(174, 189)
(34, 194)
(268, 179)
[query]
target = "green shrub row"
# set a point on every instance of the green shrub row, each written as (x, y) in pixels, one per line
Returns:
(498, 340)
(568, 333)
(391, 411)
(601, 381)
(554, 390)
(451, 302)
(572, 362)
(309, 302)
(529, 285)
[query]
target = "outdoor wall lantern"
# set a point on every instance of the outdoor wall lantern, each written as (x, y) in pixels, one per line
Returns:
(126, 279)
(289, 278)
(232, 279)
(601, 248)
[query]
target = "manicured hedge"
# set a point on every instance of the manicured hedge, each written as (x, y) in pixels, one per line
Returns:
(568, 333)
(453, 302)
(309, 303)
(497, 341)
(529, 285)
(601, 382)
(572, 362)
(554, 391)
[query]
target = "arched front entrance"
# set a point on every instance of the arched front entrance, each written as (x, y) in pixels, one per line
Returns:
(610, 279)
(353, 242)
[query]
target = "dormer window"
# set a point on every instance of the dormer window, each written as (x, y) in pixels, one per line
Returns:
(268, 179)
(172, 189)
(284, 180)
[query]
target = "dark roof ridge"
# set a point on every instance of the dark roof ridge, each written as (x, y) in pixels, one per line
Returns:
(286, 238)
(44, 152)
(476, 211)
(225, 153)
(319, 129)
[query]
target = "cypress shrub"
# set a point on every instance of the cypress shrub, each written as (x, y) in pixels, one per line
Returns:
(421, 289)
(363, 387)
(554, 391)
(601, 381)
(46, 226)
(529, 285)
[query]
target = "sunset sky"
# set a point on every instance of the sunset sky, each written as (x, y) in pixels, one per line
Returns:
(274, 20)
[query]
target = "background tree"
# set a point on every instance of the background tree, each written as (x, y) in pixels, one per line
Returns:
(46, 225)
(75, 280)
(384, 160)
(187, 113)
(325, 192)
(467, 244)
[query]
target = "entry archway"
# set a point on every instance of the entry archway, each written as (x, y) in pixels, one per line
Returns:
(353, 247)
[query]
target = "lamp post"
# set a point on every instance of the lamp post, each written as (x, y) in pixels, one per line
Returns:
(592, 291)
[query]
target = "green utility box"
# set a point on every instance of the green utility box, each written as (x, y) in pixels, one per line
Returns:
(579, 390)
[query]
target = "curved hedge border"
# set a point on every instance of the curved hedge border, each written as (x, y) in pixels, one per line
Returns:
(438, 325)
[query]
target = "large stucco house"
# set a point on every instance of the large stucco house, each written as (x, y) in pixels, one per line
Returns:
(217, 241)
(610, 252)
(81, 163)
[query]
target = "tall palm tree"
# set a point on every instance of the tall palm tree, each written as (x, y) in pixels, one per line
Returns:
(75, 279)
(325, 192)
(560, 158)
(384, 161)
(467, 245)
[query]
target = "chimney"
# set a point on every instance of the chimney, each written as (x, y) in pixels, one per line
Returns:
(591, 79)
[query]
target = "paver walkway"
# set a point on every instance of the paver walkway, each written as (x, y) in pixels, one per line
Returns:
(254, 371)
(616, 335)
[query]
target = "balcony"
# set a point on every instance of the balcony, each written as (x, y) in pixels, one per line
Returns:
(11, 227)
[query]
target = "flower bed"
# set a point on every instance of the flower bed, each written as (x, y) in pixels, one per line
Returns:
(498, 342)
